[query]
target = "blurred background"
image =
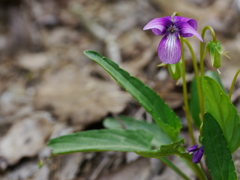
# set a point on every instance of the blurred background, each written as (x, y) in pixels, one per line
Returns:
(49, 88)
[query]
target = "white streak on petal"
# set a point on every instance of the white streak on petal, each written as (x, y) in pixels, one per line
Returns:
(169, 49)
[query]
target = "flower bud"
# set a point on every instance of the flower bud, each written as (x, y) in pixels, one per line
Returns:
(215, 51)
(192, 148)
(175, 70)
(197, 153)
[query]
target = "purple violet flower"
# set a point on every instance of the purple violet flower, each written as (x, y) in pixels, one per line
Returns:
(169, 49)
(197, 153)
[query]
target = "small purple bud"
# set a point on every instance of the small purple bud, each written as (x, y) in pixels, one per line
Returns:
(197, 155)
(193, 148)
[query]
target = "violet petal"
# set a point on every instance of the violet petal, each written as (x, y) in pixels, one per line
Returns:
(185, 30)
(180, 18)
(193, 148)
(169, 49)
(157, 32)
(161, 24)
(197, 155)
(193, 23)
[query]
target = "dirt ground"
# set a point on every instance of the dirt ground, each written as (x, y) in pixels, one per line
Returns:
(49, 88)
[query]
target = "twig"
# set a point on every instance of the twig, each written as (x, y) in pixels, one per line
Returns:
(99, 169)
(139, 113)
(119, 121)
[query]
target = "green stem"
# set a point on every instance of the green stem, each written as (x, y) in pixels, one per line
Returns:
(194, 167)
(173, 167)
(195, 66)
(202, 56)
(185, 95)
(233, 83)
(175, 14)
(202, 46)
(41, 164)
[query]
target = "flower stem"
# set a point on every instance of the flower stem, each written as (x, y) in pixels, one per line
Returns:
(195, 66)
(41, 163)
(202, 46)
(187, 159)
(233, 83)
(185, 95)
(202, 56)
(175, 14)
(196, 169)
(173, 167)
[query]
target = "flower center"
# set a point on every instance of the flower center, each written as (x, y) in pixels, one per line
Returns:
(172, 29)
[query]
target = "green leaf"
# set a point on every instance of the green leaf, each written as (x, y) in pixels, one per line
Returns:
(218, 156)
(194, 102)
(214, 75)
(218, 104)
(165, 150)
(159, 139)
(159, 136)
(174, 148)
(148, 98)
(102, 140)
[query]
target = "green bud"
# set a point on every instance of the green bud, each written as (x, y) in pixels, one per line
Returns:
(40, 164)
(175, 70)
(215, 51)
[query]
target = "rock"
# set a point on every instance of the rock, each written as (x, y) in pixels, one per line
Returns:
(168, 173)
(75, 95)
(131, 156)
(70, 166)
(23, 171)
(42, 174)
(35, 61)
(25, 138)
(137, 170)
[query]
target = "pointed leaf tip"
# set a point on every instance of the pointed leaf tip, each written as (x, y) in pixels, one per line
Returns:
(92, 54)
